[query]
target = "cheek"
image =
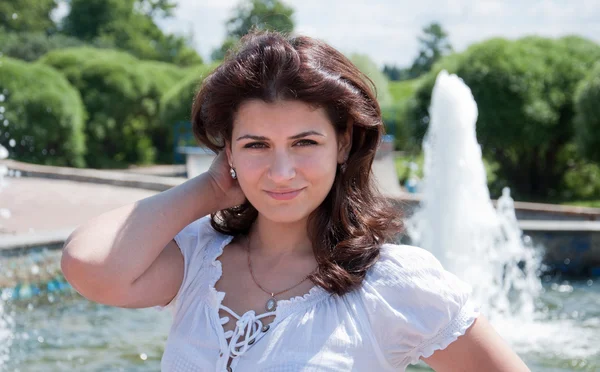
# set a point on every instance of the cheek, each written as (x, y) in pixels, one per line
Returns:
(250, 169)
(319, 166)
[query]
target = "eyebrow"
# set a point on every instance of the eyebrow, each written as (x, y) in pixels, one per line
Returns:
(296, 136)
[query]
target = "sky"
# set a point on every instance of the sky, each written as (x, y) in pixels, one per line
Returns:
(387, 30)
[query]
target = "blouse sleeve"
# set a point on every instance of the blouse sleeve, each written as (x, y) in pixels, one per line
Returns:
(416, 307)
(192, 241)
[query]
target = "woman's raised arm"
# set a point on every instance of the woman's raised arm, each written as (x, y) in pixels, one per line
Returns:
(127, 257)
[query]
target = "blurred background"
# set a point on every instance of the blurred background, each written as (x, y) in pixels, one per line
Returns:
(95, 99)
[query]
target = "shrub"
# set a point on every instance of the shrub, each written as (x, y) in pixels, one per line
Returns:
(41, 113)
(122, 96)
(587, 108)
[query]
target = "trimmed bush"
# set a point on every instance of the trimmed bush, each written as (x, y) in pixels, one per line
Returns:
(122, 96)
(41, 113)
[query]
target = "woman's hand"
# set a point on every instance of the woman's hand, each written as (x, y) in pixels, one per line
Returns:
(227, 190)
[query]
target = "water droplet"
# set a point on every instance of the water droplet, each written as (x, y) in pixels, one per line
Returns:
(40, 339)
(2, 109)
(143, 356)
(5, 213)
(5, 122)
(567, 261)
(2, 97)
(12, 142)
(35, 269)
(590, 282)
(15, 16)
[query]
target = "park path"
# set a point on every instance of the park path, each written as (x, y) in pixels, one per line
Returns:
(41, 204)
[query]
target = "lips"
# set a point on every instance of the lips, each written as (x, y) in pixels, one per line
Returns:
(287, 194)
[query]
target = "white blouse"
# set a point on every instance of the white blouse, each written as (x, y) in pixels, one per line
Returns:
(407, 307)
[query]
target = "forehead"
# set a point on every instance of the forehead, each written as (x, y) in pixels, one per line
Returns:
(280, 117)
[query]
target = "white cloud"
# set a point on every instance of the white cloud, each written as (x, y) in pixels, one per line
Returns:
(387, 30)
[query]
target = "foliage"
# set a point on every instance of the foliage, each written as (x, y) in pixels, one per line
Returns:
(523, 90)
(122, 96)
(258, 14)
(27, 15)
(581, 179)
(587, 107)
(42, 113)
(30, 46)
(129, 25)
(218, 54)
(262, 15)
(403, 160)
(402, 91)
(176, 104)
(434, 44)
(369, 68)
(394, 115)
(395, 73)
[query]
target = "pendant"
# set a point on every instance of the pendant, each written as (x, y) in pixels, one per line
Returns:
(271, 304)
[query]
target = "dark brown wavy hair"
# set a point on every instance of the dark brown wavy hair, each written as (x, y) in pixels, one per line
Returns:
(348, 228)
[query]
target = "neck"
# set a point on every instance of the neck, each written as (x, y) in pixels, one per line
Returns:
(279, 240)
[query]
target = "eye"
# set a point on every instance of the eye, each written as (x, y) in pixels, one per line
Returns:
(306, 142)
(255, 145)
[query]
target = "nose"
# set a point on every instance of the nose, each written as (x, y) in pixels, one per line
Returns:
(282, 167)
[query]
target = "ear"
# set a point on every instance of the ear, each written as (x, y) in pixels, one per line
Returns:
(345, 143)
(228, 153)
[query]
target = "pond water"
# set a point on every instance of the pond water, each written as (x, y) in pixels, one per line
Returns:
(60, 330)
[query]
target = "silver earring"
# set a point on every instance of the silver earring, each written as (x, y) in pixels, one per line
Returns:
(233, 173)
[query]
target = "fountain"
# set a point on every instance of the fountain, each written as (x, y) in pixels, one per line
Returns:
(483, 245)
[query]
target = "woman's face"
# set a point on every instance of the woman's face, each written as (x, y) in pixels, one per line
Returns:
(285, 155)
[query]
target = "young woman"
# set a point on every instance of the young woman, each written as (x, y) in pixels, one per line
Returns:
(280, 257)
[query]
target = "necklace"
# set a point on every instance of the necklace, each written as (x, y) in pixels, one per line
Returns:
(271, 303)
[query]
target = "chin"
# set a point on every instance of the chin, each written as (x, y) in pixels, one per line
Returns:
(284, 215)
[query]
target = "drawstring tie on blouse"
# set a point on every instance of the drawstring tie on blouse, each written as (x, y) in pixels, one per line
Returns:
(248, 325)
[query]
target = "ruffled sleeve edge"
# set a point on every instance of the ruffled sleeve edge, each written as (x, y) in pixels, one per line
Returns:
(456, 328)
(194, 228)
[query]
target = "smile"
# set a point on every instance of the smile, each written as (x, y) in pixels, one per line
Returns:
(287, 195)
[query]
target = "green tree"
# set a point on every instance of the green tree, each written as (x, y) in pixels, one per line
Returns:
(259, 14)
(434, 44)
(395, 73)
(27, 15)
(30, 46)
(129, 25)
(368, 67)
(524, 92)
(587, 107)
